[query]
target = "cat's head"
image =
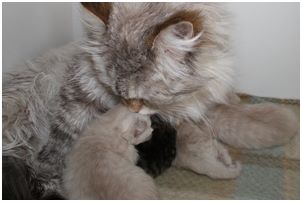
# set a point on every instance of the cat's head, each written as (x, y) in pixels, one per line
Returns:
(168, 55)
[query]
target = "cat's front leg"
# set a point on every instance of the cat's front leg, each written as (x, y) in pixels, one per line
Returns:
(198, 151)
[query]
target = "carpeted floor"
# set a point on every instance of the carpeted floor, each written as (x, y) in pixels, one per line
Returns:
(267, 174)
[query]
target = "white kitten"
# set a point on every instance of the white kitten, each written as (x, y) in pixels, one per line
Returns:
(101, 165)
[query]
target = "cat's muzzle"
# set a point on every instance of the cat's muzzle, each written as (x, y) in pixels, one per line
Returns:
(134, 105)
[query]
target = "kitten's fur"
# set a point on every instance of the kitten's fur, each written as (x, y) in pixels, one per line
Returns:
(158, 153)
(174, 56)
(101, 164)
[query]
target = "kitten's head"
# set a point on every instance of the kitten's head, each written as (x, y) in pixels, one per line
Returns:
(136, 128)
(161, 53)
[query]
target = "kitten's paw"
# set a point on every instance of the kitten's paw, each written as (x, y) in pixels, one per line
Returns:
(236, 167)
(223, 155)
(228, 172)
(233, 170)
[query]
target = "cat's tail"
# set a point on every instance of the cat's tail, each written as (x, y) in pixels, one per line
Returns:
(254, 126)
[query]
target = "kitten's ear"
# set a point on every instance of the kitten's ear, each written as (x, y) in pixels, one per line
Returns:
(100, 10)
(142, 130)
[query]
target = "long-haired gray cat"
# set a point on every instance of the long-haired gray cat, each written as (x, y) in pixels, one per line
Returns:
(173, 58)
(101, 165)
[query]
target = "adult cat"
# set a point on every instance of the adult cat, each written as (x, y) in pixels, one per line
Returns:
(173, 56)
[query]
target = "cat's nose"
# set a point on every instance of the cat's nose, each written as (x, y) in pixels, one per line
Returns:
(133, 105)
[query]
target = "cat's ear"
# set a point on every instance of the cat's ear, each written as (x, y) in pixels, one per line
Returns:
(95, 18)
(177, 37)
(182, 30)
(180, 33)
(99, 9)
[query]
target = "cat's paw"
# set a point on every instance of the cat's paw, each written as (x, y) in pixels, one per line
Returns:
(226, 172)
(223, 155)
(223, 166)
(231, 169)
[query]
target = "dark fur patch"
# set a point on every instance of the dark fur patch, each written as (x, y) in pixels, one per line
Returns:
(15, 179)
(101, 10)
(53, 196)
(184, 15)
(157, 154)
(53, 153)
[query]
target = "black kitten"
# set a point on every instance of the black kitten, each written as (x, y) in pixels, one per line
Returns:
(156, 155)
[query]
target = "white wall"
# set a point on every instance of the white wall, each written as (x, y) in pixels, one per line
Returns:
(266, 40)
(29, 29)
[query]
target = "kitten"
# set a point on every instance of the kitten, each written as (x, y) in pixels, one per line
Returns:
(158, 153)
(101, 164)
(172, 58)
